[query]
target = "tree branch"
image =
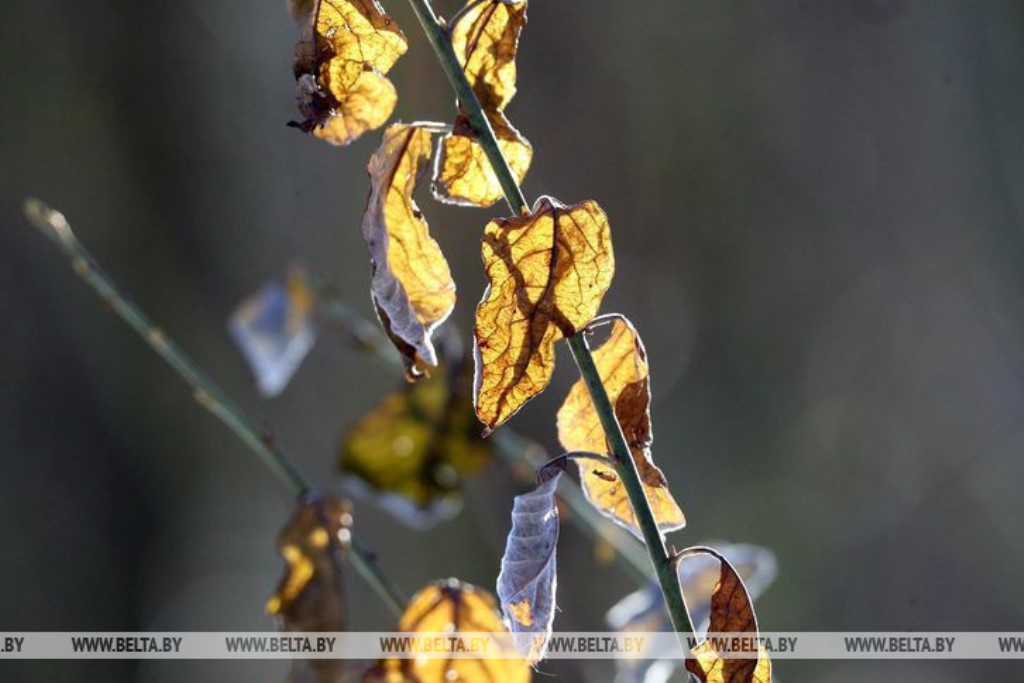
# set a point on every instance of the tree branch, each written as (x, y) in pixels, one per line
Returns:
(440, 39)
(205, 391)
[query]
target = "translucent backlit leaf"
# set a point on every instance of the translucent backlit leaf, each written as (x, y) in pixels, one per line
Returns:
(346, 48)
(274, 329)
(412, 452)
(412, 286)
(698, 575)
(622, 363)
(454, 608)
(311, 596)
(526, 583)
(547, 273)
(462, 173)
(485, 35)
(732, 612)
(367, 104)
(644, 610)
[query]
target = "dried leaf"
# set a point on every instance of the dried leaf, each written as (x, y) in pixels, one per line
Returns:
(485, 36)
(526, 584)
(698, 575)
(346, 48)
(731, 612)
(412, 452)
(462, 173)
(451, 607)
(368, 101)
(548, 272)
(274, 330)
(412, 286)
(622, 363)
(310, 597)
(644, 610)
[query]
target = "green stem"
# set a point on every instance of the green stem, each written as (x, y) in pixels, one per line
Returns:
(364, 560)
(205, 391)
(664, 566)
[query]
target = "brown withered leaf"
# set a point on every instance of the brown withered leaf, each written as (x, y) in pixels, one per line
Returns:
(310, 596)
(415, 449)
(346, 48)
(731, 613)
(462, 173)
(622, 362)
(455, 608)
(485, 36)
(412, 286)
(547, 273)
(644, 610)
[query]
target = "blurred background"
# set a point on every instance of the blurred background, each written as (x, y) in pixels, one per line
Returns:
(817, 213)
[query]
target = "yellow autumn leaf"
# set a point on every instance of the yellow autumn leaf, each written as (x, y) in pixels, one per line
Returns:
(346, 48)
(453, 608)
(310, 596)
(622, 363)
(412, 286)
(732, 613)
(413, 451)
(547, 273)
(485, 36)
(462, 173)
(366, 105)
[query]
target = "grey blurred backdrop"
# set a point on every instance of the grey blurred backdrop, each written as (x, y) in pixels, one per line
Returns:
(817, 216)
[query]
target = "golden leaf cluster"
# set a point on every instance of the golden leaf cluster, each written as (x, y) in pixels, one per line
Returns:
(622, 363)
(346, 48)
(455, 608)
(547, 270)
(547, 273)
(485, 37)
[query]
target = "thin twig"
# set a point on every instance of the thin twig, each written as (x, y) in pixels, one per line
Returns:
(205, 391)
(365, 562)
(53, 224)
(440, 40)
